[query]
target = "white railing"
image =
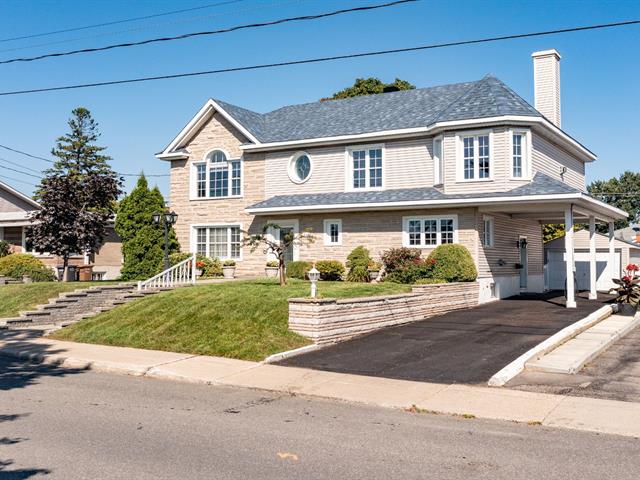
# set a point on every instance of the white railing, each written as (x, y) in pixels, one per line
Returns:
(183, 273)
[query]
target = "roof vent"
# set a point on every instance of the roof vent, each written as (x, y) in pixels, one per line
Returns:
(546, 84)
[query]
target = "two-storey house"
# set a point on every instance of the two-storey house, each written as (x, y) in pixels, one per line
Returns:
(470, 163)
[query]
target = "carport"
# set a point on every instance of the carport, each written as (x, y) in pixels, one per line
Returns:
(466, 346)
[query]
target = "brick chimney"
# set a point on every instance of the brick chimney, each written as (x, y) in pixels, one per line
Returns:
(546, 84)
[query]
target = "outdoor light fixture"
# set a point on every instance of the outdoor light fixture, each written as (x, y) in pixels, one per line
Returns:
(314, 276)
(170, 217)
(166, 219)
(156, 217)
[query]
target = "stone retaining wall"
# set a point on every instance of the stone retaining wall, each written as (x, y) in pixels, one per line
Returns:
(331, 320)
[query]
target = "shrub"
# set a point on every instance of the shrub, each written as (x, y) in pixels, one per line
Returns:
(229, 263)
(273, 264)
(358, 264)
(411, 272)
(397, 258)
(298, 269)
(430, 281)
(330, 270)
(18, 264)
(452, 262)
(5, 248)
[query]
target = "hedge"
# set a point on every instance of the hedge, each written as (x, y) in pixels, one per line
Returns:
(18, 264)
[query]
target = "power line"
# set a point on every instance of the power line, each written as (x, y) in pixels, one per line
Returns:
(126, 20)
(17, 180)
(21, 172)
(14, 150)
(147, 27)
(16, 164)
(322, 59)
(210, 32)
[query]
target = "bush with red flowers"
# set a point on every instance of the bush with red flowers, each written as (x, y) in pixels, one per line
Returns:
(629, 286)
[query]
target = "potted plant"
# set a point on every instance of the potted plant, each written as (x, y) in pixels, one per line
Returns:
(628, 289)
(229, 269)
(200, 265)
(374, 270)
(272, 268)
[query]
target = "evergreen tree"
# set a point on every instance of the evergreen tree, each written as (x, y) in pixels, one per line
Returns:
(77, 195)
(370, 86)
(142, 240)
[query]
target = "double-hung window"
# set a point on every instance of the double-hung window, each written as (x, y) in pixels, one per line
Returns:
(520, 155)
(475, 152)
(365, 167)
(487, 231)
(333, 232)
(426, 232)
(217, 176)
(223, 242)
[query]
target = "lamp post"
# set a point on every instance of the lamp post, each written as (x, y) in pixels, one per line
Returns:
(314, 276)
(165, 219)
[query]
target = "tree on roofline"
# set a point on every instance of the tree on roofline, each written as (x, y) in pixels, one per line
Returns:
(370, 86)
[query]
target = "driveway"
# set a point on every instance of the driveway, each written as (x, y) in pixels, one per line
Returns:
(614, 375)
(466, 346)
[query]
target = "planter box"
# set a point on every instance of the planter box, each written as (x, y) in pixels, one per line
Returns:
(328, 320)
(271, 272)
(229, 272)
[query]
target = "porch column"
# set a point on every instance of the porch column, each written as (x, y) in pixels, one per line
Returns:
(569, 249)
(612, 252)
(593, 294)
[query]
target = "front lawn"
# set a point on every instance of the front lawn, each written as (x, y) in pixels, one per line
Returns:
(19, 298)
(246, 319)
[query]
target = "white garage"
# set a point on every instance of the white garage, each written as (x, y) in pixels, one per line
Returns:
(555, 257)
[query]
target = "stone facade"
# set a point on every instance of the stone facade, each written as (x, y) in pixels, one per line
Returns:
(330, 320)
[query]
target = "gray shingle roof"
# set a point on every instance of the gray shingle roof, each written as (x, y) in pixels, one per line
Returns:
(421, 107)
(540, 185)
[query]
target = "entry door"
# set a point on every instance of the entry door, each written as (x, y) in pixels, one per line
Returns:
(288, 254)
(524, 271)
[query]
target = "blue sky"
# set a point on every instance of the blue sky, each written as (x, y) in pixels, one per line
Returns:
(600, 69)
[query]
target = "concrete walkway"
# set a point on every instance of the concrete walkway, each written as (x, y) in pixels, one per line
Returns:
(571, 356)
(605, 416)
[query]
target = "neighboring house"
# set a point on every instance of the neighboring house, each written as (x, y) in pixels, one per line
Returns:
(471, 163)
(629, 234)
(555, 261)
(14, 222)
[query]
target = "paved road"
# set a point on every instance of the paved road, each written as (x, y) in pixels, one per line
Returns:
(468, 346)
(614, 375)
(69, 425)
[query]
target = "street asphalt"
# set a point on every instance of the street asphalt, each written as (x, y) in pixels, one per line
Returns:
(77, 424)
(466, 346)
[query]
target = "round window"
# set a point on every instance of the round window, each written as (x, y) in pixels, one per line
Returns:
(300, 168)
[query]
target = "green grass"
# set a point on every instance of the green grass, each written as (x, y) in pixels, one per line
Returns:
(17, 298)
(246, 320)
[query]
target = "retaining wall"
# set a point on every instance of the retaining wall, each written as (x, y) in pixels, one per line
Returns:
(331, 320)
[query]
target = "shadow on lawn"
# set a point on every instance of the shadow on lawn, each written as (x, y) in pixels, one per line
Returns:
(18, 373)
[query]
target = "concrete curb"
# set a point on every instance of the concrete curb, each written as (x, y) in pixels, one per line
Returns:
(517, 366)
(276, 357)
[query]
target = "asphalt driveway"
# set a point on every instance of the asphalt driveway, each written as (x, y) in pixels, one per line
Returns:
(467, 346)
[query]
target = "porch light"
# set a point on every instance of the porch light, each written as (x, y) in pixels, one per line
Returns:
(156, 217)
(314, 276)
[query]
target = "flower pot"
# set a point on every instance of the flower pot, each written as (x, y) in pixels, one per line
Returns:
(229, 272)
(199, 272)
(271, 272)
(373, 274)
(626, 309)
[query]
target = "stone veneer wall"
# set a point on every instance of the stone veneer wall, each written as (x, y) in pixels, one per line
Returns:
(333, 320)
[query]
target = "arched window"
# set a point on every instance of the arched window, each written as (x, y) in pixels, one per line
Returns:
(217, 176)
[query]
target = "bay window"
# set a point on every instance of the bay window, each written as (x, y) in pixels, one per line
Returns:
(475, 161)
(222, 242)
(217, 176)
(431, 231)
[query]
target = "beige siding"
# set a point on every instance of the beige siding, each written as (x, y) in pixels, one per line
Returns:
(581, 242)
(549, 158)
(10, 203)
(507, 232)
(546, 72)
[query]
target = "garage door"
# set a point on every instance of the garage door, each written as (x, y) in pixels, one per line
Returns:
(557, 274)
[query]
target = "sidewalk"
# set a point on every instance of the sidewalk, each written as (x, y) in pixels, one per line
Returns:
(604, 416)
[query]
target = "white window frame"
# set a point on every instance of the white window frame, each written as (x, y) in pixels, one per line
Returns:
(291, 169)
(193, 189)
(194, 237)
(488, 233)
(349, 167)
(422, 218)
(327, 232)
(476, 165)
(527, 157)
(438, 161)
